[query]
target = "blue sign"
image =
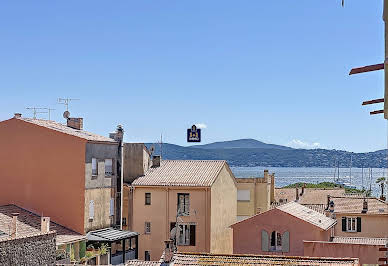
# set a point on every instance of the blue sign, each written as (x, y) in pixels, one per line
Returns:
(194, 134)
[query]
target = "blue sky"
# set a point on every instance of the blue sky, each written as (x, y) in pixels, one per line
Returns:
(276, 71)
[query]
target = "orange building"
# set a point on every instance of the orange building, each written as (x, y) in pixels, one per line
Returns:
(59, 171)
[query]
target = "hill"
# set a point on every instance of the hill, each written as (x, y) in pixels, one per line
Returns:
(274, 157)
(241, 143)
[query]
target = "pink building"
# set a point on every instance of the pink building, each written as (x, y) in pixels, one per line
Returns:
(281, 230)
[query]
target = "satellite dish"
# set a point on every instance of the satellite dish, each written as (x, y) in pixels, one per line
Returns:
(66, 114)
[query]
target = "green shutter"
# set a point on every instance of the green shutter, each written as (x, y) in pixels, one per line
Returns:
(82, 249)
(264, 240)
(358, 224)
(286, 242)
(343, 224)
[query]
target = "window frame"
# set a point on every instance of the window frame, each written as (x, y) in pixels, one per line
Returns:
(147, 255)
(350, 223)
(185, 204)
(147, 195)
(277, 239)
(188, 238)
(147, 228)
(108, 173)
(96, 170)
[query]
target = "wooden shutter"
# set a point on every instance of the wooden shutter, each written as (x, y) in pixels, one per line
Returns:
(187, 203)
(192, 235)
(358, 224)
(91, 209)
(264, 240)
(286, 242)
(343, 224)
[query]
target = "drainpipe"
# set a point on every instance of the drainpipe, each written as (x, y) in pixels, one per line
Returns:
(122, 185)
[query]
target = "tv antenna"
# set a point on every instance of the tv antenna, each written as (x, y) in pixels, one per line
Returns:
(66, 101)
(49, 112)
(35, 111)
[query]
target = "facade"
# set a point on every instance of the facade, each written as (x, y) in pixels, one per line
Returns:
(61, 171)
(359, 216)
(254, 195)
(281, 231)
(197, 197)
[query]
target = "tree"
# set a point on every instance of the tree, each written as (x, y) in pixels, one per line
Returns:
(381, 181)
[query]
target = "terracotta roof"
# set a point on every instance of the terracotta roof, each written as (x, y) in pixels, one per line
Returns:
(67, 130)
(355, 205)
(306, 214)
(316, 207)
(142, 263)
(218, 259)
(361, 240)
(310, 195)
(182, 173)
(29, 224)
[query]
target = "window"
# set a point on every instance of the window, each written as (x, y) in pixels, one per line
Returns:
(91, 210)
(112, 206)
(147, 228)
(147, 198)
(94, 166)
(184, 203)
(351, 224)
(108, 167)
(243, 195)
(185, 234)
(124, 221)
(147, 256)
(276, 241)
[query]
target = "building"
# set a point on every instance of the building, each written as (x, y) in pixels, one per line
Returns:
(28, 239)
(359, 216)
(198, 196)
(281, 230)
(61, 171)
(254, 195)
(364, 248)
(304, 195)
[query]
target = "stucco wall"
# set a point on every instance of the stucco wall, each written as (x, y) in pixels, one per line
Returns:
(43, 171)
(368, 254)
(102, 218)
(136, 161)
(223, 212)
(34, 250)
(371, 226)
(247, 234)
(162, 212)
(260, 197)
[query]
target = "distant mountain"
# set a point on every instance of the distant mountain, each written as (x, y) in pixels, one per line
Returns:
(240, 143)
(238, 153)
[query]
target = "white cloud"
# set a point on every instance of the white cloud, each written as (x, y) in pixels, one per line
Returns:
(199, 125)
(298, 144)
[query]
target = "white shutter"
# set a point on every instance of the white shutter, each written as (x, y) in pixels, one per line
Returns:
(91, 209)
(264, 240)
(244, 195)
(286, 242)
(112, 207)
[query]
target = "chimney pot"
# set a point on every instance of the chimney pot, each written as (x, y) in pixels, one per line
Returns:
(14, 224)
(45, 224)
(156, 161)
(17, 115)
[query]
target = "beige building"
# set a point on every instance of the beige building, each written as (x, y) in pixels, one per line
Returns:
(198, 196)
(254, 195)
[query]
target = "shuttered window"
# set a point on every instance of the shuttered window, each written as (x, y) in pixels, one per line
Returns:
(112, 207)
(243, 195)
(108, 167)
(94, 166)
(91, 209)
(147, 227)
(185, 234)
(286, 242)
(358, 224)
(184, 203)
(264, 240)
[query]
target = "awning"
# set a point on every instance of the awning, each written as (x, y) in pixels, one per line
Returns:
(109, 235)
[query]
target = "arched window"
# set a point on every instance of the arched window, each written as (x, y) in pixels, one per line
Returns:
(276, 241)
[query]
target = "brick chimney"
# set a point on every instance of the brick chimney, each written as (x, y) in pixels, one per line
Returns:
(297, 194)
(17, 115)
(45, 224)
(76, 123)
(14, 225)
(168, 251)
(156, 161)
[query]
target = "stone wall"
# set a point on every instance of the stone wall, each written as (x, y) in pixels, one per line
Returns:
(32, 250)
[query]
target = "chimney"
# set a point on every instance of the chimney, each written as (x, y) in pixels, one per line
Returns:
(304, 185)
(45, 224)
(156, 161)
(364, 206)
(76, 123)
(17, 115)
(168, 251)
(14, 224)
(118, 135)
(266, 175)
(297, 193)
(331, 206)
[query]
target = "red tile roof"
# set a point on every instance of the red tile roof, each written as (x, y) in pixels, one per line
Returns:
(355, 204)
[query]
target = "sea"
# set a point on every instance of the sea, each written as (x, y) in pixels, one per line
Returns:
(359, 177)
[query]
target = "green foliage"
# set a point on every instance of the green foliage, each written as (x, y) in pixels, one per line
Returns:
(380, 180)
(325, 185)
(82, 249)
(89, 254)
(103, 249)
